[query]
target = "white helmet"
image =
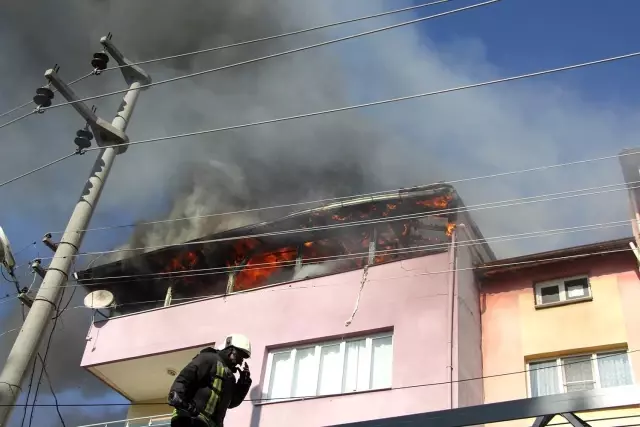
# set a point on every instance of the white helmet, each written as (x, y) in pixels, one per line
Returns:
(238, 341)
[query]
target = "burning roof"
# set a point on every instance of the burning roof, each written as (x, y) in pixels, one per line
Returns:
(333, 238)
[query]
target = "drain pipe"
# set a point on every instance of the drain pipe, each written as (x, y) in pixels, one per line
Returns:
(451, 313)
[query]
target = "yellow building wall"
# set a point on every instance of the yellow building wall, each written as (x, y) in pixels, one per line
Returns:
(515, 332)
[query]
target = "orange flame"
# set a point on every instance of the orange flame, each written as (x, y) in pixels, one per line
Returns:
(262, 266)
(450, 227)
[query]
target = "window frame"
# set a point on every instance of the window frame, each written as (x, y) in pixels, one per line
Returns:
(595, 371)
(292, 350)
(562, 291)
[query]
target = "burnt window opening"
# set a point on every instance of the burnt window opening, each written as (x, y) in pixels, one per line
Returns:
(412, 223)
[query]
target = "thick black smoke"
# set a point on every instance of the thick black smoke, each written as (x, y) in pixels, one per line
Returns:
(311, 159)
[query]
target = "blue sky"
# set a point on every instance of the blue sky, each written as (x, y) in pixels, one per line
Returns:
(574, 115)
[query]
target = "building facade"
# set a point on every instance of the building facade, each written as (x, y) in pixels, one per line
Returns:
(389, 326)
(308, 366)
(562, 321)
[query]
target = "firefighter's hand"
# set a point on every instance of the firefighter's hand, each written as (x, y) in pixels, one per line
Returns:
(177, 402)
(245, 374)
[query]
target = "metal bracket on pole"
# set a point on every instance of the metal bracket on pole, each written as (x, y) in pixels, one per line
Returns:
(572, 418)
(105, 133)
(131, 73)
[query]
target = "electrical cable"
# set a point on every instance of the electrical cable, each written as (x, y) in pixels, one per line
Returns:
(279, 54)
(262, 39)
(14, 281)
(463, 380)
(482, 206)
(373, 103)
(19, 107)
(335, 258)
(39, 168)
(381, 193)
(33, 371)
(360, 255)
(10, 122)
(44, 362)
(53, 393)
(292, 33)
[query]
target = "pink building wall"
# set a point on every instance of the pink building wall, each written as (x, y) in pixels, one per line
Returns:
(397, 296)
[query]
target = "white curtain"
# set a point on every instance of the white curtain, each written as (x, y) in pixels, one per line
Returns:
(578, 373)
(330, 375)
(356, 373)
(544, 378)
(281, 376)
(305, 374)
(381, 363)
(614, 370)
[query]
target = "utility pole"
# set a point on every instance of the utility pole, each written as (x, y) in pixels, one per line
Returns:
(109, 136)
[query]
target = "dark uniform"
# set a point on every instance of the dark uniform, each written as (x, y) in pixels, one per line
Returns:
(210, 384)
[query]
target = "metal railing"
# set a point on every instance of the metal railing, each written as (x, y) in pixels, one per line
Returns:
(152, 420)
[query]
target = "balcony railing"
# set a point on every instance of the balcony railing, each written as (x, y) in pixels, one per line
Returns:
(153, 420)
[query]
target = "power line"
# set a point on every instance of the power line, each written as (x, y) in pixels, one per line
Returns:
(338, 258)
(292, 33)
(19, 107)
(43, 360)
(356, 196)
(483, 377)
(279, 54)
(375, 103)
(24, 116)
(39, 168)
(481, 206)
(275, 286)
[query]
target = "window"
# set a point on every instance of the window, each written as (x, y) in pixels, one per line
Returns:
(576, 373)
(562, 291)
(330, 368)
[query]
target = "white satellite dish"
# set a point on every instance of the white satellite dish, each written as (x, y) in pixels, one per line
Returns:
(99, 299)
(6, 254)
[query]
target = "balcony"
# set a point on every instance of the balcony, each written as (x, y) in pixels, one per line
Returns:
(154, 420)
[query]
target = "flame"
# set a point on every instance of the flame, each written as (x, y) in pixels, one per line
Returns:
(261, 266)
(436, 202)
(450, 227)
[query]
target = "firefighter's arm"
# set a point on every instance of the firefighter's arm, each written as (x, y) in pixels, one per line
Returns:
(242, 387)
(191, 375)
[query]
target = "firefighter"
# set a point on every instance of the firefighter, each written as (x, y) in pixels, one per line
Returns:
(207, 386)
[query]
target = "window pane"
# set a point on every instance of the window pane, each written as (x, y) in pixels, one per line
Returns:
(381, 363)
(577, 288)
(578, 373)
(614, 370)
(281, 375)
(330, 376)
(356, 374)
(549, 294)
(304, 377)
(544, 378)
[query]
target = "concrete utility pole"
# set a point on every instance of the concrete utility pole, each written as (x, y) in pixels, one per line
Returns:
(109, 136)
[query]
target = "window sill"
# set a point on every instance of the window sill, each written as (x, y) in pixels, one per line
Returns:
(325, 396)
(561, 303)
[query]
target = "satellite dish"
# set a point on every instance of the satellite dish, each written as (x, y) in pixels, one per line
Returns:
(99, 299)
(6, 254)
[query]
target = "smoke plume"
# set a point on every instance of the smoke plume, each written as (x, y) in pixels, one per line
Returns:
(469, 133)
